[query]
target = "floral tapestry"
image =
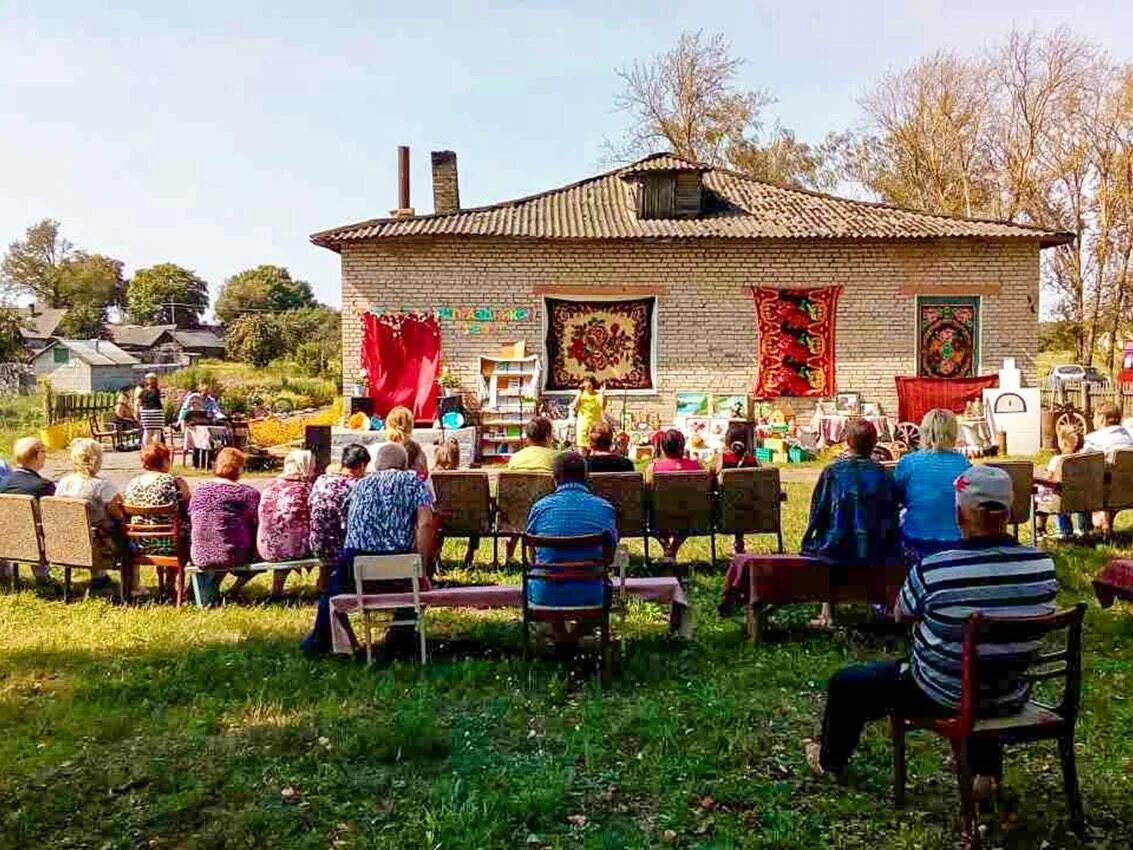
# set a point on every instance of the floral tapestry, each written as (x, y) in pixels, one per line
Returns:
(948, 334)
(612, 341)
(796, 341)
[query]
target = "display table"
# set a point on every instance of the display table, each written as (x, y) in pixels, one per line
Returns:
(831, 427)
(424, 437)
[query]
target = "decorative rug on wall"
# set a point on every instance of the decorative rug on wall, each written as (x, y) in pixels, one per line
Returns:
(796, 341)
(609, 340)
(947, 335)
(401, 353)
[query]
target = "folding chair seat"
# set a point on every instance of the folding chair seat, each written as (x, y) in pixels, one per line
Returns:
(371, 568)
(626, 492)
(516, 492)
(1118, 484)
(684, 503)
(750, 501)
(464, 506)
(20, 541)
(71, 542)
(1022, 473)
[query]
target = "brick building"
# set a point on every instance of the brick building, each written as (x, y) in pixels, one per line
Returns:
(692, 240)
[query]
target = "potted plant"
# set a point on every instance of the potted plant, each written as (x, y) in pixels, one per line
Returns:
(362, 383)
(450, 384)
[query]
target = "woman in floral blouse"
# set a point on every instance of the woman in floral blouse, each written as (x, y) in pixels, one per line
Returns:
(328, 503)
(222, 516)
(156, 487)
(285, 516)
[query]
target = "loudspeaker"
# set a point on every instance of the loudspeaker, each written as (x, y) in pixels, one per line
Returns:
(449, 404)
(359, 404)
(316, 440)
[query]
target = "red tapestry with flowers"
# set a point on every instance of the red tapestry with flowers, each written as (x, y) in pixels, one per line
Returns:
(611, 341)
(796, 341)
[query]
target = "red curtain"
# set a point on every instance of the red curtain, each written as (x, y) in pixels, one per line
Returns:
(401, 353)
(917, 396)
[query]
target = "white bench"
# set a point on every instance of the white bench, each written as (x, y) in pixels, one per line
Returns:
(194, 573)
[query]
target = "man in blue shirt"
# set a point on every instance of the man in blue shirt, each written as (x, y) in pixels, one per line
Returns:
(572, 510)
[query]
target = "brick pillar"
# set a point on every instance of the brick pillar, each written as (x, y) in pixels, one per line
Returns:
(446, 189)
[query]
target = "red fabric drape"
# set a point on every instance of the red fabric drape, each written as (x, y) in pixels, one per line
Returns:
(401, 352)
(917, 396)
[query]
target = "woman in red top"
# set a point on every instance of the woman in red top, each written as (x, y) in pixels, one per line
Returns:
(736, 455)
(673, 460)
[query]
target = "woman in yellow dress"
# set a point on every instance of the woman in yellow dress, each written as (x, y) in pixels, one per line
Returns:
(589, 408)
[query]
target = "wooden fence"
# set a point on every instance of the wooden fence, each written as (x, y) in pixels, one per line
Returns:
(63, 406)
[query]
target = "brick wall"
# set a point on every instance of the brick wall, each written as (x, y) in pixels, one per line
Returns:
(706, 319)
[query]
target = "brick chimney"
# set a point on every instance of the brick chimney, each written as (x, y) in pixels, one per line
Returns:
(446, 186)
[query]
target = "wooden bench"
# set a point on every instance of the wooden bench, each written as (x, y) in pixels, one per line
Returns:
(771, 580)
(193, 573)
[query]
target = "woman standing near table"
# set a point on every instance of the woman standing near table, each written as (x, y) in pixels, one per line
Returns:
(151, 411)
(589, 407)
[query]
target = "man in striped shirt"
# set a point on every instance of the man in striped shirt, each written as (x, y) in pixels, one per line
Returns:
(987, 572)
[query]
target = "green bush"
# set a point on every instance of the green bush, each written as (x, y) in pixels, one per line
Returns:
(189, 378)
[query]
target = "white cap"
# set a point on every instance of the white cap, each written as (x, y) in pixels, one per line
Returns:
(980, 484)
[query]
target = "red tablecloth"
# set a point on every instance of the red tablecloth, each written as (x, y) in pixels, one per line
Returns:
(664, 590)
(1115, 582)
(917, 396)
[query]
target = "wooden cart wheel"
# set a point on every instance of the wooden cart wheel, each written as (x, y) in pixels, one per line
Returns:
(909, 434)
(1071, 419)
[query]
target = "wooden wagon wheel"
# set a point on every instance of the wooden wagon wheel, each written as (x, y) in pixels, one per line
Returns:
(909, 434)
(1071, 419)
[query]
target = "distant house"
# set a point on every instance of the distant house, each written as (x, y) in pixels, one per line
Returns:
(85, 365)
(165, 343)
(39, 324)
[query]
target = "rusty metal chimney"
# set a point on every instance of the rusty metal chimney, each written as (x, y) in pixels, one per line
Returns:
(446, 185)
(403, 209)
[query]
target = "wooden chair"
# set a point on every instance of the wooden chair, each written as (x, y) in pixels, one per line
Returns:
(557, 572)
(385, 568)
(1118, 485)
(1037, 721)
(1022, 474)
(626, 492)
(1080, 488)
(162, 523)
(516, 492)
(174, 437)
(684, 503)
(103, 433)
(464, 506)
(20, 541)
(69, 541)
(239, 434)
(750, 501)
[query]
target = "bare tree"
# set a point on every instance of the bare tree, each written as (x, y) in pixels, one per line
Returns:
(688, 100)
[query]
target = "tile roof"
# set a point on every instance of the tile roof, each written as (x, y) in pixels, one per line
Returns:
(604, 207)
(138, 336)
(201, 338)
(43, 324)
(94, 352)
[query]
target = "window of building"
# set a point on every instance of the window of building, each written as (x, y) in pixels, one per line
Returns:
(670, 194)
(62, 355)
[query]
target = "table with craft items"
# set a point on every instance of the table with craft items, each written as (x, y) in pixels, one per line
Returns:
(663, 590)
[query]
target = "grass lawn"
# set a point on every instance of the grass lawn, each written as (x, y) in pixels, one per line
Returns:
(151, 727)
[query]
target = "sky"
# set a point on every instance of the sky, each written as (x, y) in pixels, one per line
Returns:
(220, 135)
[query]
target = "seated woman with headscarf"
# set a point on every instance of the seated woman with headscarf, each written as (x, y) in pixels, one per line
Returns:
(284, 516)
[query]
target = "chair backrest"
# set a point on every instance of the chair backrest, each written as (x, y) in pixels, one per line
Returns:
(163, 522)
(683, 502)
(241, 433)
(750, 500)
(626, 492)
(67, 540)
(1119, 479)
(463, 503)
(1043, 664)
(557, 571)
(387, 567)
(516, 492)
(1083, 482)
(1022, 474)
(19, 529)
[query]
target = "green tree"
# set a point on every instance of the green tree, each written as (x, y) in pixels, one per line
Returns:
(255, 338)
(11, 342)
(264, 289)
(83, 321)
(313, 339)
(31, 266)
(166, 294)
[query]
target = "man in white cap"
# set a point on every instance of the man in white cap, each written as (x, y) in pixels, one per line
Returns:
(987, 571)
